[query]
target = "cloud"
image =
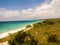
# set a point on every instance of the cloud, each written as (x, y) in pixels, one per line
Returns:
(8, 13)
(46, 10)
(28, 11)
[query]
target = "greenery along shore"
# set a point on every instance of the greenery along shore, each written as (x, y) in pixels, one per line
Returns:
(42, 33)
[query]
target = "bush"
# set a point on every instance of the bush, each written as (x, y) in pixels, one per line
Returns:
(58, 21)
(11, 42)
(28, 26)
(22, 38)
(51, 23)
(52, 38)
(36, 25)
(48, 22)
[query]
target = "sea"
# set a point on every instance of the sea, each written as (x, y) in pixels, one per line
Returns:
(12, 25)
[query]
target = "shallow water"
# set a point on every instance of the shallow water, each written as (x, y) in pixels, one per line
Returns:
(11, 25)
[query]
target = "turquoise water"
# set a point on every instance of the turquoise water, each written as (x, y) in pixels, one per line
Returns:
(11, 25)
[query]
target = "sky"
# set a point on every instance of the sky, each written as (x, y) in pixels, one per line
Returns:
(29, 9)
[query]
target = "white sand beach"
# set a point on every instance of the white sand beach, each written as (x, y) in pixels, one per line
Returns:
(2, 35)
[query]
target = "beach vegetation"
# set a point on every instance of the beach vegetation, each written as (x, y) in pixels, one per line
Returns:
(52, 38)
(46, 32)
(22, 38)
(28, 26)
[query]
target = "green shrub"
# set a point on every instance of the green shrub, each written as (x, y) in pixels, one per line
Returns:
(36, 25)
(28, 26)
(11, 42)
(58, 21)
(52, 38)
(22, 38)
(46, 23)
(51, 23)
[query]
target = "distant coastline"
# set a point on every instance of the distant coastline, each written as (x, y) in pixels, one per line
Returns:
(13, 25)
(4, 34)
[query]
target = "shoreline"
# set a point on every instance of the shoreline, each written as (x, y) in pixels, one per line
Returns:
(4, 34)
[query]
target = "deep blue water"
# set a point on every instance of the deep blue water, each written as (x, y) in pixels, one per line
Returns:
(11, 25)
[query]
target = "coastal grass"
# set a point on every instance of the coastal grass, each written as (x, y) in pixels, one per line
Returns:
(45, 33)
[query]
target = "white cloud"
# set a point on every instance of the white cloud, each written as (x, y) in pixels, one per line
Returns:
(8, 13)
(28, 11)
(46, 10)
